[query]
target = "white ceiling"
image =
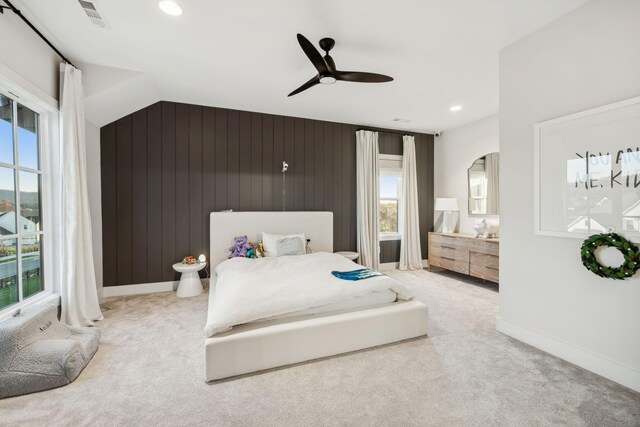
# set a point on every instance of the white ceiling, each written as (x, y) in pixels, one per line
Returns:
(243, 54)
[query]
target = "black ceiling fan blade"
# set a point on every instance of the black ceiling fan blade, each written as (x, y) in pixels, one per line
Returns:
(311, 83)
(312, 53)
(356, 76)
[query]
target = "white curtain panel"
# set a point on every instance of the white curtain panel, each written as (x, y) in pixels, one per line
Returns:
(79, 293)
(492, 171)
(368, 198)
(410, 253)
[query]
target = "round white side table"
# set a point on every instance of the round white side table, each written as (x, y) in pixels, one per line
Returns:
(190, 284)
(353, 256)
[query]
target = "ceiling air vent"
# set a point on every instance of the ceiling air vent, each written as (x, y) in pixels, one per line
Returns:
(92, 11)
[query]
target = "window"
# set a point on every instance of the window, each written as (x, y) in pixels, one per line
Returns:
(21, 231)
(390, 195)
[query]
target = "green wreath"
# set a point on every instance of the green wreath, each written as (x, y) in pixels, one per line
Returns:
(629, 251)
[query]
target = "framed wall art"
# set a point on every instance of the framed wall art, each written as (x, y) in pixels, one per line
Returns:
(587, 172)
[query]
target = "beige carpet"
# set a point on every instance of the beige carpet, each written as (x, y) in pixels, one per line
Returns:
(149, 371)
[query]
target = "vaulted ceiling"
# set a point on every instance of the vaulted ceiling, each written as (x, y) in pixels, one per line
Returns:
(244, 55)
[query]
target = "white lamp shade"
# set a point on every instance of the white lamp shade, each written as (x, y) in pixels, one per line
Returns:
(446, 204)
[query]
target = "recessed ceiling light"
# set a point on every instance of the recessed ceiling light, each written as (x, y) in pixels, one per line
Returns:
(455, 108)
(170, 7)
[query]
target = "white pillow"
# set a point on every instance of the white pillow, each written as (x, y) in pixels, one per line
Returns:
(271, 244)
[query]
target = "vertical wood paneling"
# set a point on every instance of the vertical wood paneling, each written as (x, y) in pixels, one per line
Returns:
(255, 164)
(124, 202)
(318, 160)
(350, 181)
(278, 158)
(139, 195)
(290, 153)
(166, 167)
(233, 156)
(347, 169)
(339, 242)
(390, 251)
(390, 143)
(327, 167)
(168, 190)
(208, 172)
(221, 161)
(245, 161)
(298, 164)
(154, 189)
(108, 159)
(194, 188)
(309, 154)
(267, 163)
(182, 181)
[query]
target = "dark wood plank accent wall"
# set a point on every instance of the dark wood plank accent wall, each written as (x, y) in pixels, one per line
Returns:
(166, 167)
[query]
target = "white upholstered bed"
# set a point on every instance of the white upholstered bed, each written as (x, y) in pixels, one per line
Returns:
(356, 321)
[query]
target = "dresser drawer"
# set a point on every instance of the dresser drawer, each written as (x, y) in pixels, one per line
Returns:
(465, 254)
(484, 272)
(445, 240)
(461, 266)
(445, 250)
(483, 246)
(484, 260)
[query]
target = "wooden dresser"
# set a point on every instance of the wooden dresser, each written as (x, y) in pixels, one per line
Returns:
(465, 254)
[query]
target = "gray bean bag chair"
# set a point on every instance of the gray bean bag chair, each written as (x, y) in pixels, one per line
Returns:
(37, 352)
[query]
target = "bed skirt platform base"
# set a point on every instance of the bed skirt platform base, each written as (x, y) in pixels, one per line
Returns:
(264, 345)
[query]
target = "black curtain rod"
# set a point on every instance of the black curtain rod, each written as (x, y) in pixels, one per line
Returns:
(15, 10)
(390, 132)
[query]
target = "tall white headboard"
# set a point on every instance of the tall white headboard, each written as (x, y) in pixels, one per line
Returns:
(317, 226)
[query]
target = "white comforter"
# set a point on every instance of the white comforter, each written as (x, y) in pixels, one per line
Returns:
(254, 289)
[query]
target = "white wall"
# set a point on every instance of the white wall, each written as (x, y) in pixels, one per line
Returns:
(454, 152)
(26, 55)
(588, 58)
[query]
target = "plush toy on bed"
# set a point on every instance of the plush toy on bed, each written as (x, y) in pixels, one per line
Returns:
(256, 251)
(240, 247)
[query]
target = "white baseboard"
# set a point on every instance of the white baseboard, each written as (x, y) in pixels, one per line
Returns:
(622, 374)
(142, 288)
(386, 266)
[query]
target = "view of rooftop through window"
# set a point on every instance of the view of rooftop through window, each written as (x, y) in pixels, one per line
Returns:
(20, 220)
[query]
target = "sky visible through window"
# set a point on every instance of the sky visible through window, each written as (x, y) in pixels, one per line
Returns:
(27, 153)
(388, 187)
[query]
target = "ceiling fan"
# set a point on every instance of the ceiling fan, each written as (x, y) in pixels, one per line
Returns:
(327, 72)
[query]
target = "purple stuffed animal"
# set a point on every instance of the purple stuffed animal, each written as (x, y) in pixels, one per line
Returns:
(240, 247)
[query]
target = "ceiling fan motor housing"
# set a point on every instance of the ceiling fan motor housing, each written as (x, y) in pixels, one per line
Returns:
(327, 44)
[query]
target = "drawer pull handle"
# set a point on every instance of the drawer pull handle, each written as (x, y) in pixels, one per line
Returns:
(448, 247)
(450, 259)
(493, 268)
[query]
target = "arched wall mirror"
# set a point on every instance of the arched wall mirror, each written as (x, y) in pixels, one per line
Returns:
(484, 185)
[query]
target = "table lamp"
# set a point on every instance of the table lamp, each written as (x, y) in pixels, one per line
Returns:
(448, 206)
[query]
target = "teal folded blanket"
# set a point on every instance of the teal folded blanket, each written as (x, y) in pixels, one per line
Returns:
(363, 273)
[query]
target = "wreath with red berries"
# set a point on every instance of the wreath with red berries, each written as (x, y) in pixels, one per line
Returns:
(629, 251)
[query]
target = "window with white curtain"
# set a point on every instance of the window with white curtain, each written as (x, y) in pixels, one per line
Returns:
(28, 145)
(21, 230)
(390, 196)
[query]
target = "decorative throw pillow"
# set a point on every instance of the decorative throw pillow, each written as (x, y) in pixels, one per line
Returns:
(290, 246)
(270, 243)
